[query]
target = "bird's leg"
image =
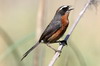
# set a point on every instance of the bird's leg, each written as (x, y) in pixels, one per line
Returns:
(54, 48)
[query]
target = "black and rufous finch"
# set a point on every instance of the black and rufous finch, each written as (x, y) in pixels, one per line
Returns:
(55, 29)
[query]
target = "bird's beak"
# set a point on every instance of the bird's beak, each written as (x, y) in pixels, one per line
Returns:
(71, 8)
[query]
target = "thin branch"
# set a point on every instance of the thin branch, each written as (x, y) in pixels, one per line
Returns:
(57, 54)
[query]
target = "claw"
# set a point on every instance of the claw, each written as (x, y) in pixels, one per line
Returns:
(58, 51)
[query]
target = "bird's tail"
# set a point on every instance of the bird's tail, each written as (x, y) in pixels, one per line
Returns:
(30, 50)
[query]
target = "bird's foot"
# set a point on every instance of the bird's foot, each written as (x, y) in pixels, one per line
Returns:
(59, 51)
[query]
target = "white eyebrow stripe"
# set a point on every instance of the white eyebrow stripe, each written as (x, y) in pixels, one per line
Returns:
(62, 7)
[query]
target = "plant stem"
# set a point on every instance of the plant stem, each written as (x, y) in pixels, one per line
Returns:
(57, 54)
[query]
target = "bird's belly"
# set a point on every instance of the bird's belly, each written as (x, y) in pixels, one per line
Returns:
(57, 35)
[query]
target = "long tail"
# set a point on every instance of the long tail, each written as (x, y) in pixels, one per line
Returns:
(30, 50)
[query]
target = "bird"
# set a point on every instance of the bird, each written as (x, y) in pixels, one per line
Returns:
(55, 30)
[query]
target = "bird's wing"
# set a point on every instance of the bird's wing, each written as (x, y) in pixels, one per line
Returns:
(51, 29)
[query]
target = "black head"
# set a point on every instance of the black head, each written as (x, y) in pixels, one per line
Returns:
(63, 9)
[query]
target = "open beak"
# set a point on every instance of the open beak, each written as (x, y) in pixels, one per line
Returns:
(71, 8)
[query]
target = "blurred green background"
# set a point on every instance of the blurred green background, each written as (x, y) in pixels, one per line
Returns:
(23, 21)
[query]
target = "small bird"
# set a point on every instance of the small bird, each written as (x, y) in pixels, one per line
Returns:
(55, 29)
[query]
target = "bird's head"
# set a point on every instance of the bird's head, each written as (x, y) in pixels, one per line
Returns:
(64, 9)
